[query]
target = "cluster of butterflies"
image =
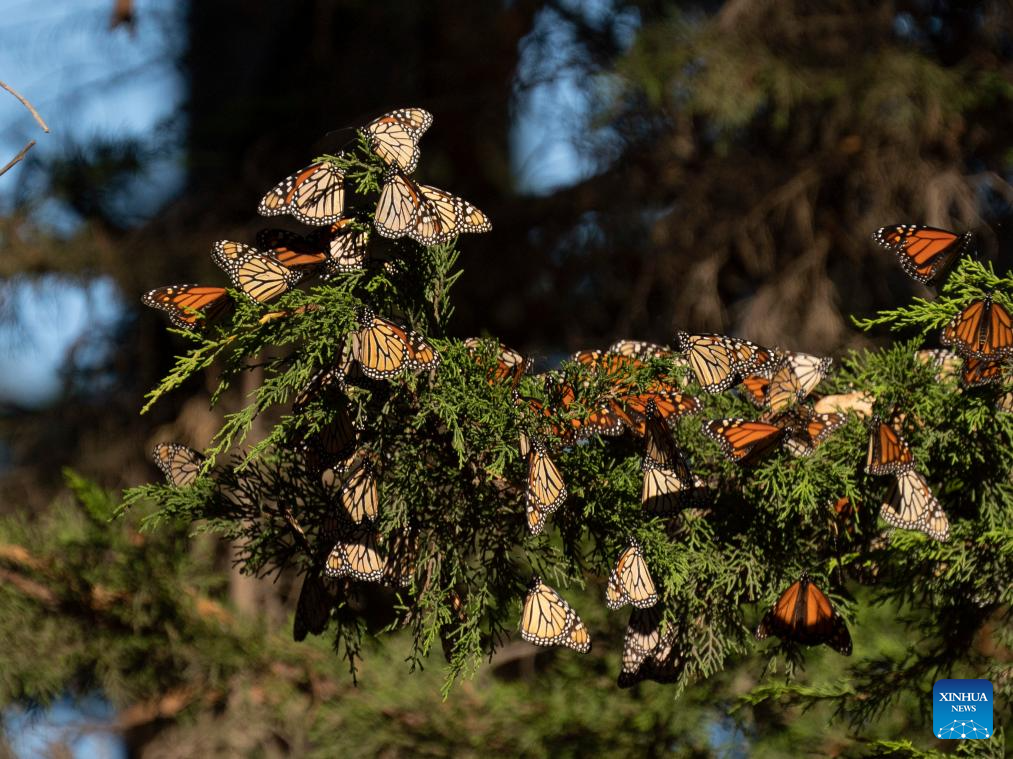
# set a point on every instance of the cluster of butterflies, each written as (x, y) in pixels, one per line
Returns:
(315, 195)
(778, 382)
(380, 349)
(981, 334)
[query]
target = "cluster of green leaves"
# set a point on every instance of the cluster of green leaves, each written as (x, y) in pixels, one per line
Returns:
(451, 477)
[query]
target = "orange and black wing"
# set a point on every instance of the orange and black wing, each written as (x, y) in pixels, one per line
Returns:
(669, 403)
(314, 195)
(394, 137)
(292, 250)
(347, 243)
(888, 453)
(743, 441)
(803, 614)
(359, 493)
(975, 372)
(356, 555)
(259, 275)
(807, 430)
(983, 329)
(398, 207)
(382, 348)
(189, 306)
(548, 620)
(546, 490)
(925, 253)
(180, 464)
(630, 581)
(910, 505)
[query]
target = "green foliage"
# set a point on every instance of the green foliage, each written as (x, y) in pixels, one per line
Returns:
(452, 481)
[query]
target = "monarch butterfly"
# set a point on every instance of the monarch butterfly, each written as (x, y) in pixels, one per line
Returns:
(356, 556)
(669, 403)
(426, 214)
(910, 505)
(630, 581)
(925, 253)
(394, 137)
(639, 349)
(660, 448)
(667, 491)
(444, 216)
(718, 361)
(806, 430)
(649, 654)
(189, 305)
(400, 560)
(359, 494)
(744, 441)
(546, 490)
(180, 465)
(983, 329)
(385, 349)
(888, 453)
(292, 249)
(510, 365)
(605, 418)
(259, 275)
(313, 609)
(548, 620)
(612, 365)
(314, 195)
(975, 372)
(845, 515)
(541, 411)
(803, 614)
(347, 246)
(791, 381)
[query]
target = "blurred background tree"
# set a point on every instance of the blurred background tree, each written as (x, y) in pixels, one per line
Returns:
(647, 165)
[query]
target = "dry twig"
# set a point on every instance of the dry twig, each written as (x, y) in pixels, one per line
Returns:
(39, 120)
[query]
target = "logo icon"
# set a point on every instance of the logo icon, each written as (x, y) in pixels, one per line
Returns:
(962, 709)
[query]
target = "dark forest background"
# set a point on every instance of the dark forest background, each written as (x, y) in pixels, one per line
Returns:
(735, 158)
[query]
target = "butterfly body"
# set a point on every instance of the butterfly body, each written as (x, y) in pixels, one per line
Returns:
(548, 620)
(546, 490)
(189, 306)
(630, 581)
(394, 137)
(180, 464)
(925, 253)
(314, 195)
(888, 452)
(803, 614)
(910, 505)
(385, 349)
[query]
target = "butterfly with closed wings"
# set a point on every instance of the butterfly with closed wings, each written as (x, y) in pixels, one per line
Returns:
(548, 620)
(630, 581)
(314, 195)
(910, 505)
(384, 349)
(180, 464)
(394, 137)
